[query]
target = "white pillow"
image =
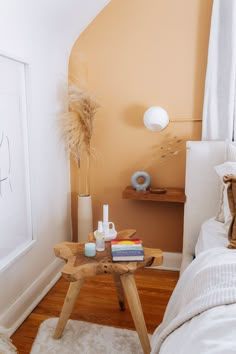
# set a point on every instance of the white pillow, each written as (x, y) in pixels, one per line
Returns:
(212, 234)
(225, 169)
(220, 216)
(230, 151)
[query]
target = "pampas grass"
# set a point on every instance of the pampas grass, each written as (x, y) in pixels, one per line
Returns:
(78, 124)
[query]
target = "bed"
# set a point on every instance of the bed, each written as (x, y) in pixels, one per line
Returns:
(201, 314)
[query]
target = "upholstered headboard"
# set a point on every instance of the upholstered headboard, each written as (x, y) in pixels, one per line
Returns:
(202, 189)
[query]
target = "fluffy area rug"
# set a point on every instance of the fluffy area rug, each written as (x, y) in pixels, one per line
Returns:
(85, 338)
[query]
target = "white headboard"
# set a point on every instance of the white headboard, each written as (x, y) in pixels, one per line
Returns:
(202, 189)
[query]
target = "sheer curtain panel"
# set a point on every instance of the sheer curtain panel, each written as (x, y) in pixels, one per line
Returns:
(219, 113)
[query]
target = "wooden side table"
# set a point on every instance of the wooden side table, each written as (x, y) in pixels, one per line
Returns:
(78, 267)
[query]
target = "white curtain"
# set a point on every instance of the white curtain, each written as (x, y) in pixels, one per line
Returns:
(219, 112)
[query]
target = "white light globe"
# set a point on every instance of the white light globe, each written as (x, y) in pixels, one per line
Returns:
(155, 118)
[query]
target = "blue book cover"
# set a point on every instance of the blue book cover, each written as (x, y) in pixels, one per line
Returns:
(127, 256)
(128, 253)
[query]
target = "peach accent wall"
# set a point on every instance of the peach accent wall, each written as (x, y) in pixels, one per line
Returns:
(134, 55)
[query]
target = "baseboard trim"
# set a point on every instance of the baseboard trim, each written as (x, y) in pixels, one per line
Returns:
(15, 315)
(171, 261)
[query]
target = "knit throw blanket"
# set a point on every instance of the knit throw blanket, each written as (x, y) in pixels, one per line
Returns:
(209, 281)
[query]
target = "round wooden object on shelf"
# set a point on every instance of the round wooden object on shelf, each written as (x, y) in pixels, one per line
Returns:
(157, 190)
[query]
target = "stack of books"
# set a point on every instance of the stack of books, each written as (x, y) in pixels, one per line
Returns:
(127, 250)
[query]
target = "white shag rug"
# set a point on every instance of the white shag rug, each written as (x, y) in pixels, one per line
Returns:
(85, 338)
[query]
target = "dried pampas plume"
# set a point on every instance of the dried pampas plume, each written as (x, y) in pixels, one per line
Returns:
(78, 122)
(161, 153)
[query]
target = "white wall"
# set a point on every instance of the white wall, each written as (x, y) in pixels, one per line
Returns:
(42, 33)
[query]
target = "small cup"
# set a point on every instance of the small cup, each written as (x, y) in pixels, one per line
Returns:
(90, 249)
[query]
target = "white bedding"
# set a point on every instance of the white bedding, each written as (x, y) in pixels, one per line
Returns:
(206, 333)
(194, 314)
(212, 234)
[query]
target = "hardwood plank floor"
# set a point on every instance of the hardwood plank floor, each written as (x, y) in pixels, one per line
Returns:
(97, 303)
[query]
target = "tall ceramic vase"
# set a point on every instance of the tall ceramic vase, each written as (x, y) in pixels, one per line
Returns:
(85, 217)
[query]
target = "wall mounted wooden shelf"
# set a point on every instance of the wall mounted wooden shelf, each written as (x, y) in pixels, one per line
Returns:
(174, 195)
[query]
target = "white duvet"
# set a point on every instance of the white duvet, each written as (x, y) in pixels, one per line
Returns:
(201, 314)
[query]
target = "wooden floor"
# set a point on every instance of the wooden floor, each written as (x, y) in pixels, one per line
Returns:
(97, 303)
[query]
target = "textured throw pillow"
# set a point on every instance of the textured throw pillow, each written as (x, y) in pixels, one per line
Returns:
(222, 170)
(230, 181)
(230, 156)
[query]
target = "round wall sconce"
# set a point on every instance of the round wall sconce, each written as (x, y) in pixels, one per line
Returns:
(156, 118)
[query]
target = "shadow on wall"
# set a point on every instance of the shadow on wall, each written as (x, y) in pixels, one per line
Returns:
(133, 116)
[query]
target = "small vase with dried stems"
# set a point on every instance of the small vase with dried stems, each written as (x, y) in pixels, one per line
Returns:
(78, 125)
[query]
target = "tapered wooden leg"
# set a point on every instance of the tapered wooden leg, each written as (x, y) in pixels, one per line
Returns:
(132, 296)
(119, 290)
(67, 308)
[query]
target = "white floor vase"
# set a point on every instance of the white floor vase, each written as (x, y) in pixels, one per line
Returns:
(85, 217)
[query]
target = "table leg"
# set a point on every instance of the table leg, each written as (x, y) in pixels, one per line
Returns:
(67, 308)
(132, 296)
(119, 290)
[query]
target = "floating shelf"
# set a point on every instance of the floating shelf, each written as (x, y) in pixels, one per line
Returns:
(173, 195)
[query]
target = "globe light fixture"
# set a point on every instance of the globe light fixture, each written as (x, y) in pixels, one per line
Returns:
(156, 118)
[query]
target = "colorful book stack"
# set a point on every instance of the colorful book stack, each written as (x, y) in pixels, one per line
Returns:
(127, 250)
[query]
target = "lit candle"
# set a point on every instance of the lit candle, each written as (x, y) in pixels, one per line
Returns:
(105, 213)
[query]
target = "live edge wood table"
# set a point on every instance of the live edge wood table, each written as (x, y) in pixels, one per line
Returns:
(78, 267)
